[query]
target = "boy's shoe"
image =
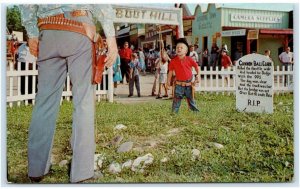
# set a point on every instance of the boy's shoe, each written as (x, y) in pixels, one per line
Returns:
(165, 96)
(139, 95)
(158, 97)
(130, 95)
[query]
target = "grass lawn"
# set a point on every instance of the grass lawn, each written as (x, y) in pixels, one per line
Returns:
(257, 147)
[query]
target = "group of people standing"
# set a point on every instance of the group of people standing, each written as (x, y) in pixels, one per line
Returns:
(217, 57)
(213, 58)
(167, 69)
(132, 64)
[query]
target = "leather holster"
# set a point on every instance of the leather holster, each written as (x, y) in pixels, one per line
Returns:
(98, 61)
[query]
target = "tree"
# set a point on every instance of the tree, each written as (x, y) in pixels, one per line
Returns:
(13, 19)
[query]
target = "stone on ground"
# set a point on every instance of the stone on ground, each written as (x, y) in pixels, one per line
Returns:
(63, 163)
(120, 127)
(125, 147)
(114, 168)
(141, 162)
(219, 146)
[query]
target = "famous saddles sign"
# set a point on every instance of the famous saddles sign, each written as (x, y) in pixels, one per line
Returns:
(254, 84)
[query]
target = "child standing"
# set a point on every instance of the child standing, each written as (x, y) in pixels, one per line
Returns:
(163, 71)
(134, 77)
(182, 65)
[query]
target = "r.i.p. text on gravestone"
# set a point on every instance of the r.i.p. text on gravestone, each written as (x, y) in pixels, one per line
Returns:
(254, 84)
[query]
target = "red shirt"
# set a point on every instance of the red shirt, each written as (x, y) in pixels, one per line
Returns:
(125, 53)
(225, 61)
(183, 68)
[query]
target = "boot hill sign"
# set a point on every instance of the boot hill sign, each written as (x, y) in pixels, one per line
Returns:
(149, 15)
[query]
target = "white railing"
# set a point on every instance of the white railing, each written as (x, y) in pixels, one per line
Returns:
(214, 80)
(211, 81)
(13, 82)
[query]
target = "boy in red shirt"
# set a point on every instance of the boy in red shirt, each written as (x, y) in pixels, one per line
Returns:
(182, 65)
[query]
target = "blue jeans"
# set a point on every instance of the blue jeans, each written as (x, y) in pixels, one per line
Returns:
(179, 93)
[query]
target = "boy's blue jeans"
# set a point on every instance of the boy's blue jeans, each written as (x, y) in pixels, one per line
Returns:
(180, 92)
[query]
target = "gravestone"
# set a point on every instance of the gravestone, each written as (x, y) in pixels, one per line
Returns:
(254, 84)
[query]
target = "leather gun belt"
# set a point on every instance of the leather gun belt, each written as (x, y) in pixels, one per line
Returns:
(183, 84)
(58, 22)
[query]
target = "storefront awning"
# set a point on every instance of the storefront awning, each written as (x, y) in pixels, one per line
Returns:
(276, 31)
(262, 31)
(121, 36)
(123, 31)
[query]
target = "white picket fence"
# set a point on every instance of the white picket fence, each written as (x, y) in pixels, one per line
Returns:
(13, 88)
(211, 81)
(214, 80)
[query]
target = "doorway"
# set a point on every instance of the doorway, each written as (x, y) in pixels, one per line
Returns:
(204, 46)
(253, 46)
(238, 47)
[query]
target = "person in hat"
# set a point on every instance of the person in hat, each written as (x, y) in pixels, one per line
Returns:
(182, 65)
